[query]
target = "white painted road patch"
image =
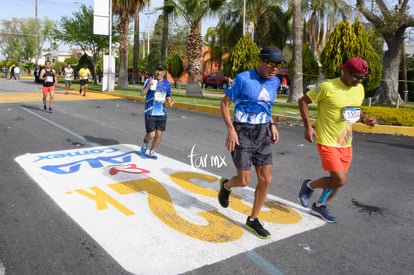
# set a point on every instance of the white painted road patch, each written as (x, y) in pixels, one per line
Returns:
(156, 216)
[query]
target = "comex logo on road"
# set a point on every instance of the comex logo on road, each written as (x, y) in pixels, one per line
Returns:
(142, 211)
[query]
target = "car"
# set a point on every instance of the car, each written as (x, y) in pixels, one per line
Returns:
(283, 75)
(216, 80)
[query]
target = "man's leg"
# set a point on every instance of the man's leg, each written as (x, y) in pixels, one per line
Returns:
(157, 139)
(44, 100)
(51, 96)
(241, 180)
(85, 89)
(264, 179)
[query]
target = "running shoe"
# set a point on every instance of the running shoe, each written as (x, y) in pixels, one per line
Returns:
(152, 154)
(50, 109)
(323, 213)
(305, 193)
(257, 228)
(144, 148)
(224, 194)
(44, 107)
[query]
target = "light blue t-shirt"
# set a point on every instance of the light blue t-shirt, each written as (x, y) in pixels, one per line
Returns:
(155, 100)
(253, 97)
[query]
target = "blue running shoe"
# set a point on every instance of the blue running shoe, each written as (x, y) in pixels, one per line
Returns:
(144, 148)
(305, 193)
(323, 213)
(152, 154)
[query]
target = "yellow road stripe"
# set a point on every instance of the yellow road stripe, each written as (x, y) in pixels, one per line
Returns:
(16, 97)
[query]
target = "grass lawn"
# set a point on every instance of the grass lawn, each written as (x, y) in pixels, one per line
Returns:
(212, 97)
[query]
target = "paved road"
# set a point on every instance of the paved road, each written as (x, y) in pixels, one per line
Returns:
(375, 210)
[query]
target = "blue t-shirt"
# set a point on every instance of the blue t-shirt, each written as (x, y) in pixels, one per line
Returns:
(154, 100)
(253, 97)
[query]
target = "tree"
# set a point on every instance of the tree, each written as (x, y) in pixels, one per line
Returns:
(323, 15)
(348, 41)
(391, 24)
(18, 37)
(296, 81)
(135, 57)
(175, 67)
(194, 11)
(81, 35)
(244, 56)
(215, 49)
(125, 9)
(268, 19)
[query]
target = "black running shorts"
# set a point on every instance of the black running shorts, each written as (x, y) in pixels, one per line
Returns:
(254, 146)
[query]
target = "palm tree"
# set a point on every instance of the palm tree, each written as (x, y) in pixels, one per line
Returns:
(135, 58)
(269, 21)
(296, 90)
(215, 49)
(323, 15)
(193, 12)
(125, 9)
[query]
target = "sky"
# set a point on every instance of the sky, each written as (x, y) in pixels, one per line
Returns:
(55, 9)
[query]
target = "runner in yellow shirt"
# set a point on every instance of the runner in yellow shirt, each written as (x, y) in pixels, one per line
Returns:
(339, 102)
(84, 75)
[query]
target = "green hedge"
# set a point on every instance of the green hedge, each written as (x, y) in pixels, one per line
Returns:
(391, 115)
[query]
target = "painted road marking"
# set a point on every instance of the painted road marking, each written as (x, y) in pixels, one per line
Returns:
(18, 97)
(60, 127)
(143, 211)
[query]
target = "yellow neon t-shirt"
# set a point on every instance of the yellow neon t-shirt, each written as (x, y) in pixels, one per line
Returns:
(338, 109)
(84, 73)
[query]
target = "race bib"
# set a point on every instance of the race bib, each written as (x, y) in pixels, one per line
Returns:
(49, 79)
(159, 96)
(85, 77)
(351, 114)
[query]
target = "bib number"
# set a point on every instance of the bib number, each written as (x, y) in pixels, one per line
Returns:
(159, 96)
(49, 78)
(351, 114)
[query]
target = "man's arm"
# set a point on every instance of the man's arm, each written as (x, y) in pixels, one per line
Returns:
(42, 73)
(232, 138)
(370, 121)
(303, 103)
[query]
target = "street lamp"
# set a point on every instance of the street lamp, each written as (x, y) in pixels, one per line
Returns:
(148, 30)
(244, 17)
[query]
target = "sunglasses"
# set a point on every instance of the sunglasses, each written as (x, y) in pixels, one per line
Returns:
(274, 65)
(159, 71)
(358, 76)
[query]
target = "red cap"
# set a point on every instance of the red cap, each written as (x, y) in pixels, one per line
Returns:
(355, 65)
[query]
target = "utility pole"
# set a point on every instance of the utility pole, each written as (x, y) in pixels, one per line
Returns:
(36, 33)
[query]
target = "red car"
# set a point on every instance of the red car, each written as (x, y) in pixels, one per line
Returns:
(283, 75)
(216, 80)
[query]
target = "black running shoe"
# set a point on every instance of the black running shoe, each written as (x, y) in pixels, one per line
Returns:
(224, 194)
(44, 107)
(257, 228)
(50, 109)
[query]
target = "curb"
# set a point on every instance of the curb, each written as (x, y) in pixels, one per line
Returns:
(358, 127)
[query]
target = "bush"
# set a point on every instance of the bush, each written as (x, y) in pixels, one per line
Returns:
(391, 115)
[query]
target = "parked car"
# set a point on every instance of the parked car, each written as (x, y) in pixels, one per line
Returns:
(283, 75)
(216, 80)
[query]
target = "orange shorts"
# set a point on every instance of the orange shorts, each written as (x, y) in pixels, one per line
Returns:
(335, 159)
(50, 90)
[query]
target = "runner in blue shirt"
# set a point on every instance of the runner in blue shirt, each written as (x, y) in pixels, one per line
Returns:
(157, 90)
(252, 131)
